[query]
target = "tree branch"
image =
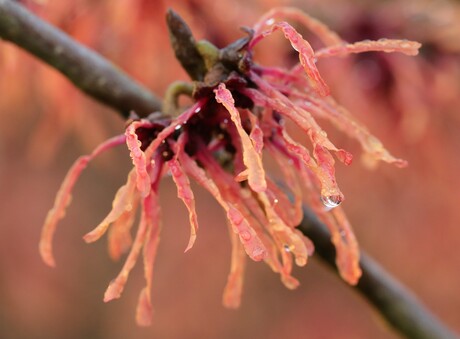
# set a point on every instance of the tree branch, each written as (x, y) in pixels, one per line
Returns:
(89, 71)
(105, 83)
(393, 301)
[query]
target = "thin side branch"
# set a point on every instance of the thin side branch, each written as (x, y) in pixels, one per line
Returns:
(400, 308)
(105, 83)
(89, 71)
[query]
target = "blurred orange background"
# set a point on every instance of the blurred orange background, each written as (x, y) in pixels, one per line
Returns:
(407, 219)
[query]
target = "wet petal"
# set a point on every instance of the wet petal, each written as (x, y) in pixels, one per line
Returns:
(248, 237)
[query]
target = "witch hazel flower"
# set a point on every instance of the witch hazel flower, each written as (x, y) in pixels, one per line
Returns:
(238, 117)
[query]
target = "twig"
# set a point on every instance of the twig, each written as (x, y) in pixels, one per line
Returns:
(101, 80)
(89, 71)
(395, 302)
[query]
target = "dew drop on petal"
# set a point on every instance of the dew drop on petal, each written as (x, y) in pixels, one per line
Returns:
(270, 22)
(178, 127)
(331, 201)
(275, 201)
(287, 248)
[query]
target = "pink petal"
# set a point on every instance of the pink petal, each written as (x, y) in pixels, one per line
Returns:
(248, 237)
(270, 97)
(116, 287)
(123, 202)
(138, 157)
(184, 192)
(64, 197)
(179, 121)
(119, 236)
(326, 35)
(347, 250)
(382, 45)
(306, 54)
(256, 135)
(144, 307)
(234, 287)
(252, 160)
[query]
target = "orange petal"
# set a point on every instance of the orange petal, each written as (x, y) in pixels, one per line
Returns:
(252, 160)
(185, 193)
(382, 45)
(123, 202)
(64, 197)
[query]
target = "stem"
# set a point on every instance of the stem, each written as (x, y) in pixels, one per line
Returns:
(89, 71)
(101, 80)
(393, 301)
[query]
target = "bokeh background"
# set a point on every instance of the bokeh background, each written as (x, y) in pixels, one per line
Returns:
(407, 219)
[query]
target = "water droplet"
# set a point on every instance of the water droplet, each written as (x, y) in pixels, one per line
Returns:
(287, 248)
(270, 22)
(331, 201)
(197, 110)
(276, 201)
(178, 127)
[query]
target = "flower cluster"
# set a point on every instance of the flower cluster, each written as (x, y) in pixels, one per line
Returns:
(239, 116)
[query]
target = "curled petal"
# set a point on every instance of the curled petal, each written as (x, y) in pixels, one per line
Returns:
(119, 235)
(344, 240)
(342, 119)
(288, 239)
(256, 135)
(144, 307)
(326, 35)
(252, 160)
(268, 96)
(138, 157)
(306, 55)
(64, 197)
(184, 192)
(233, 289)
(347, 250)
(248, 237)
(124, 200)
(116, 287)
(324, 169)
(382, 45)
(177, 122)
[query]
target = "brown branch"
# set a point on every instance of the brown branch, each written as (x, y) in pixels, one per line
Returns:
(105, 83)
(89, 71)
(398, 306)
